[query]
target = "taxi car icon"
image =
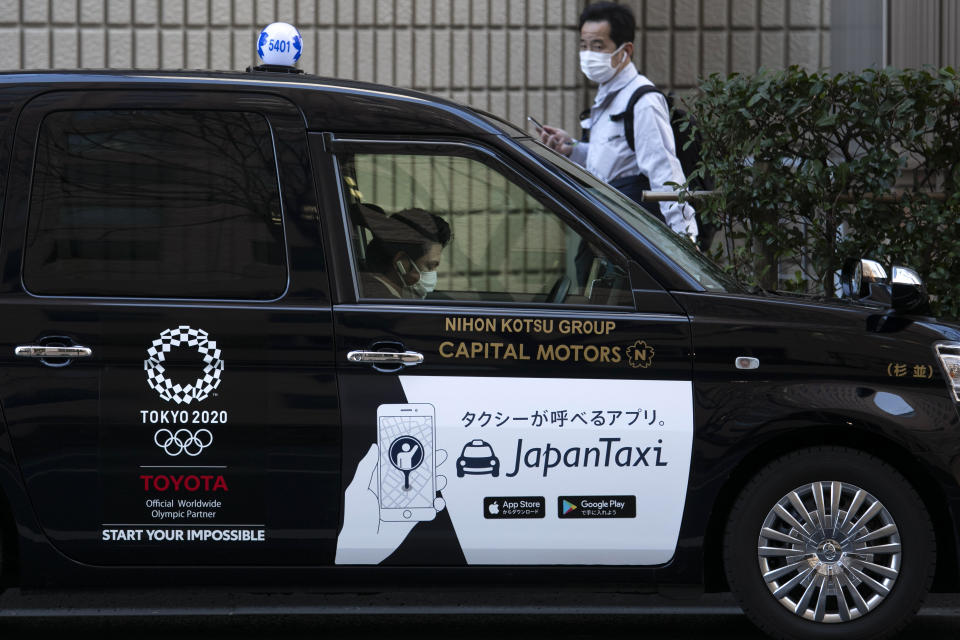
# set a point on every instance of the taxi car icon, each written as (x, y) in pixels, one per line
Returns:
(477, 458)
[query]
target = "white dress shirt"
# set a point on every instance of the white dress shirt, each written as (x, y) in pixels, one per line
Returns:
(608, 157)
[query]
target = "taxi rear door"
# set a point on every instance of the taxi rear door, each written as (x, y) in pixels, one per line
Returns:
(525, 411)
(167, 379)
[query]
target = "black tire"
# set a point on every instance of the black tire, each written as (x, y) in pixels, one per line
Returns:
(802, 470)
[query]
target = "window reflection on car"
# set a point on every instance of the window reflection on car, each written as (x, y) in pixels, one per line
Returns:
(708, 274)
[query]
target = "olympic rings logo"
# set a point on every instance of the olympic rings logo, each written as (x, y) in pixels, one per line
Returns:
(185, 336)
(183, 441)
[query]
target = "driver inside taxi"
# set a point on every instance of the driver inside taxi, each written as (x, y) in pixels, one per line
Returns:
(404, 254)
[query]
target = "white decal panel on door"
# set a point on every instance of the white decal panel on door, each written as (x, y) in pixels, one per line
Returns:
(541, 471)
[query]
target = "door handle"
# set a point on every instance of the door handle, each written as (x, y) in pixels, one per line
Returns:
(41, 351)
(403, 358)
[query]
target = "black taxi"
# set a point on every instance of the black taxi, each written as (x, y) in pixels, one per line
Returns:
(272, 328)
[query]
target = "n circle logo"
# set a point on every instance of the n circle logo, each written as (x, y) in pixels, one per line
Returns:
(183, 336)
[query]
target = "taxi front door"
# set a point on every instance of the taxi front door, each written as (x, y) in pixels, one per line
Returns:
(525, 411)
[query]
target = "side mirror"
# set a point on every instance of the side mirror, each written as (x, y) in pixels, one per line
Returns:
(907, 291)
(857, 276)
(903, 290)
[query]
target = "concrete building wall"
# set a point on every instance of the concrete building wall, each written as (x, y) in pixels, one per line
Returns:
(901, 33)
(680, 41)
(511, 57)
(923, 32)
(857, 29)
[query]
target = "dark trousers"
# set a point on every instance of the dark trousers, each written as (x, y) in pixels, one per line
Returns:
(633, 187)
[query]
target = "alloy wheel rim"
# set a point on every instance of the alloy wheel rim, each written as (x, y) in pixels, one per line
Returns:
(829, 551)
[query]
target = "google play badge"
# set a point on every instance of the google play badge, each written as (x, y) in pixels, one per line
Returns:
(568, 507)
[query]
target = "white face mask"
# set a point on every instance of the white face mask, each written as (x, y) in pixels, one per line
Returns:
(596, 64)
(429, 281)
(426, 284)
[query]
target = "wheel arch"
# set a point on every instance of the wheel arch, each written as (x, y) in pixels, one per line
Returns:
(947, 577)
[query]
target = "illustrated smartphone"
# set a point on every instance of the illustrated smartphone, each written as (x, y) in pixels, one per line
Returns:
(535, 123)
(407, 482)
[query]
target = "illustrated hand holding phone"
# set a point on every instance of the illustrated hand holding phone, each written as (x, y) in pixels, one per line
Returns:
(395, 485)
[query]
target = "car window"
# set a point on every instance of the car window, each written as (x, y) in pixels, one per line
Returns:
(480, 451)
(445, 227)
(710, 276)
(154, 203)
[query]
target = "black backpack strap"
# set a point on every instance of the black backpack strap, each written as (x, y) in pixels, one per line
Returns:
(628, 122)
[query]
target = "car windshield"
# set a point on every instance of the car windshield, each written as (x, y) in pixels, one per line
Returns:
(476, 451)
(710, 276)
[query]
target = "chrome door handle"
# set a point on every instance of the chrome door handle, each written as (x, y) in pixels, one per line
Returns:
(405, 358)
(40, 351)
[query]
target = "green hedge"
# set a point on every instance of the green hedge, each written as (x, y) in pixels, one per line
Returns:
(796, 155)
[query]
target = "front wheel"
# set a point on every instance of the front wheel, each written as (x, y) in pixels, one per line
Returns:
(829, 543)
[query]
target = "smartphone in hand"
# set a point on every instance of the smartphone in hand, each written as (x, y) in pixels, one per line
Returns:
(536, 124)
(407, 471)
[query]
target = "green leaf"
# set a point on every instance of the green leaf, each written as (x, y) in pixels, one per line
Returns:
(828, 119)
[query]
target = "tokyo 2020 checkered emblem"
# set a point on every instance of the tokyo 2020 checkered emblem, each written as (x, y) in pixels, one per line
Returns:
(183, 336)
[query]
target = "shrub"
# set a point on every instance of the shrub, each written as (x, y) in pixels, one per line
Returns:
(798, 158)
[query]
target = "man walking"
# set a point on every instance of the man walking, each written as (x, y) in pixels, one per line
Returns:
(606, 47)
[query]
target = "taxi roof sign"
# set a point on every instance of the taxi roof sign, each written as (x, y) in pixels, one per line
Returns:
(279, 45)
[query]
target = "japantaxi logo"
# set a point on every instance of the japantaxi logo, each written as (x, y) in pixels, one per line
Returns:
(640, 354)
(183, 336)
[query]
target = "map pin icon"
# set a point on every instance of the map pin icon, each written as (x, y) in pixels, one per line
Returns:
(406, 454)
